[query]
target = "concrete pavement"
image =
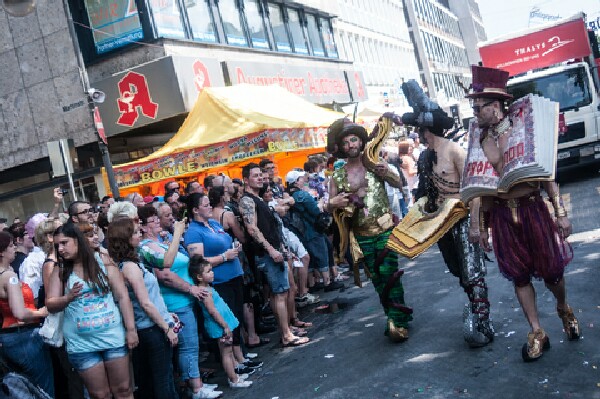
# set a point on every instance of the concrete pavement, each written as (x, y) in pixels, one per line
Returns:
(350, 358)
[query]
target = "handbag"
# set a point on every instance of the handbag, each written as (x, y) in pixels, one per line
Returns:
(52, 330)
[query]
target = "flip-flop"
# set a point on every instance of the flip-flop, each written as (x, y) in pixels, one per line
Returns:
(299, 332)
(301, 324)
(263, 341)
(295, 342)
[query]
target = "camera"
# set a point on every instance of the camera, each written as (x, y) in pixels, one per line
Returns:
(64, 191)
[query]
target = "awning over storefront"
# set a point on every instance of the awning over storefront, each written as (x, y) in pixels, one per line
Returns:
(231, 126)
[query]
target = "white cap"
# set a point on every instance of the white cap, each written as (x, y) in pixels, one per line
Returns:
(293, 176)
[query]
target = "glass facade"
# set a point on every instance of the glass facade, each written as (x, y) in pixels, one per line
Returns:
(280, 32)
(256, 24)
(314, 35)
(201, 21)
(167, 18)
(260, 24)
(232, 23)
(297, 31)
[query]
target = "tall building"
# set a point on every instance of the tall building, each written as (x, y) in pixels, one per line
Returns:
(151, 59)
(374, 35)
(445, 35)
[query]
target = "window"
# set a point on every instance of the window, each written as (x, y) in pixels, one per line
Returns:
(314, 36)
(256, 25)
(298, 38)
(114, 23)
(201, 21)
(327, 31)
(167, 18)
(280, 33)
(232, 23)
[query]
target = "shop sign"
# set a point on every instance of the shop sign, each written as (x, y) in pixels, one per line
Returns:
(356, 82)
(316, 84)
(258, 144)
(155, 91)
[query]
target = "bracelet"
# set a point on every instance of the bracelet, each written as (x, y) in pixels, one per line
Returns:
(224, 257)
(560, 212)
(482, 222)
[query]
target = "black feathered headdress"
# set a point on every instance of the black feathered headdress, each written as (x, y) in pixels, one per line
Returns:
(425, 113)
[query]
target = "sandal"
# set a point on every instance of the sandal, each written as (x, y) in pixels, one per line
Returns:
(298, 331)
(262, 341)
(537, 343)
(570, 323)
(297, 341)
(300, 324)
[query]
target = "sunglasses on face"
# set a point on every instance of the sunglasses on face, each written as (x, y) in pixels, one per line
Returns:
(478, 107)
(84, 212)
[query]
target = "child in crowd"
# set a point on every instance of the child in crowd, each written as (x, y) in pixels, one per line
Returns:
(219, 320)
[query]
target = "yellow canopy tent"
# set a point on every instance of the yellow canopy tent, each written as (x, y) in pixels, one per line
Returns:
(228, 128)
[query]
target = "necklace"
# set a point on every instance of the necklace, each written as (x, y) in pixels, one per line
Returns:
(501, 128)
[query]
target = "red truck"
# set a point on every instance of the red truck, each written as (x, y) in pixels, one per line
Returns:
(558, 61)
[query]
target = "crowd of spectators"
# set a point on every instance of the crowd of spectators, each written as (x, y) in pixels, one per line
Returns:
(145, 284)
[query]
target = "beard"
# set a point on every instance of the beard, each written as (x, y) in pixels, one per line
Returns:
(353, 153)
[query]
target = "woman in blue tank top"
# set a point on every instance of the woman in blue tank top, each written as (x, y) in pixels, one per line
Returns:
(88, 291)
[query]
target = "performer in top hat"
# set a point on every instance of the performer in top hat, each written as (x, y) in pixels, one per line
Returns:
(439, 179)
(359, 188)
(527, 241)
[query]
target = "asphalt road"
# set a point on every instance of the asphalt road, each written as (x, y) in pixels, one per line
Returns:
(350, 358)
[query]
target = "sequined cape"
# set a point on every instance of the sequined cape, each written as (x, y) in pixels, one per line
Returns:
(365, 221)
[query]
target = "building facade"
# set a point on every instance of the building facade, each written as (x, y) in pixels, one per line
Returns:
(151, 59)
(445, 35)
(373, 35)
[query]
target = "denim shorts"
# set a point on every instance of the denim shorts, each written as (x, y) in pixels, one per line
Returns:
(85, 360)
(319, 255)
(277, 276)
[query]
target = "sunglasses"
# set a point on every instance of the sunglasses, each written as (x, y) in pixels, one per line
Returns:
(85, 211)
(478, 107)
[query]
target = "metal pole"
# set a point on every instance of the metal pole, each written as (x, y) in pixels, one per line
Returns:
(67, 165)
(114, 188)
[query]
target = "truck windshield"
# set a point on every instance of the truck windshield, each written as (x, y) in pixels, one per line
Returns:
(569, 88)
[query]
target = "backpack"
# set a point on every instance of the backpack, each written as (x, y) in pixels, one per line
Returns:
(294, 222)
(17, 386)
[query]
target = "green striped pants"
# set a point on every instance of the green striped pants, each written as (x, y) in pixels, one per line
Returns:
(386, 277)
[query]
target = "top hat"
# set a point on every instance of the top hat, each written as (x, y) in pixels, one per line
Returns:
(489, 83)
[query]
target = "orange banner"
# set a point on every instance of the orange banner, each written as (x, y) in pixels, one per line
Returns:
(264, 143)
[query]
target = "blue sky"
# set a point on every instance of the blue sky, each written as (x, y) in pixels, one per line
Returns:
(505, 16)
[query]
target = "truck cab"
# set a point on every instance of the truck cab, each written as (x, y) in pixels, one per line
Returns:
(572, 86)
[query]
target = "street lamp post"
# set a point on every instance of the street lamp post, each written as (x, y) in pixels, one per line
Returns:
(20, 8)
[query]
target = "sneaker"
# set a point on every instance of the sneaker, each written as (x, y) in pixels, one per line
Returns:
(244, 370)
(334, 285)
(251, 355)
(312, 299)
(240, 384)
(315, 288)
(243, 376)
(212, 387)
(301, 301)
(204, 393)
(253, 365)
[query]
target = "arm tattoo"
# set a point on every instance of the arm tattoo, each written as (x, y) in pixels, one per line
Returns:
(248, 210)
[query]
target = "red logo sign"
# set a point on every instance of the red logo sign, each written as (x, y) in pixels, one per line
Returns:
(201, 78)
(538, 49)
(360, 90)
(135, 98)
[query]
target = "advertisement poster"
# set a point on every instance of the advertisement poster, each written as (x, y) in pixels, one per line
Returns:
(114, 23)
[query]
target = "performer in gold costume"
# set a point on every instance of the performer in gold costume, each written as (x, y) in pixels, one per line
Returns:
(357, 189)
